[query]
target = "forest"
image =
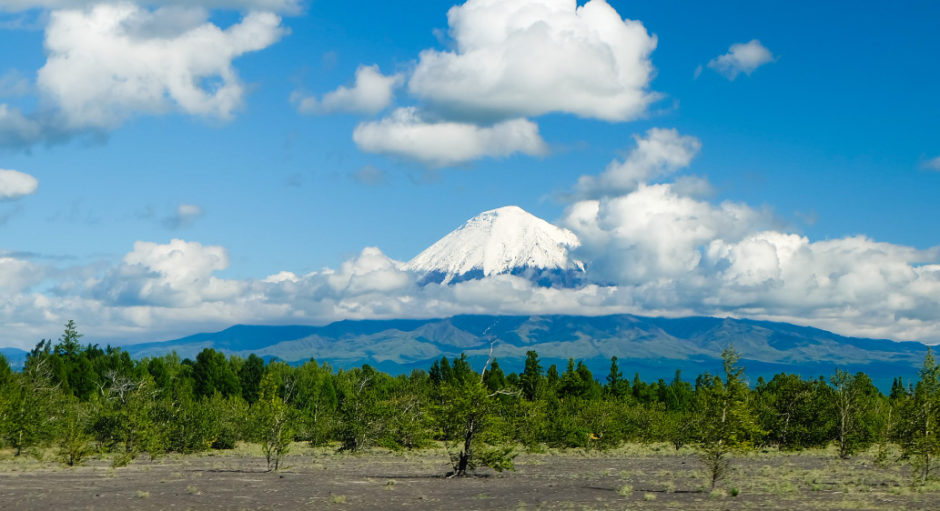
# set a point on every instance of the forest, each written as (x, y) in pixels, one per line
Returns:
(85, 401)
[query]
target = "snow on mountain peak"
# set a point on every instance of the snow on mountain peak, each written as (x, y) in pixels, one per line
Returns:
(499, 241)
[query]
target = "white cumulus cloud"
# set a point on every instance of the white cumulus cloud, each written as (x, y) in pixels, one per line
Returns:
(532, 57)
(176, 274)
(406, 134)
(741, 58)
(658, 153)
(371, 93)
(15, 184)
(111, 61)
(665, 250)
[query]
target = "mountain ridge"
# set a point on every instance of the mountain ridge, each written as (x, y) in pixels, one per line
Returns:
(652, 346)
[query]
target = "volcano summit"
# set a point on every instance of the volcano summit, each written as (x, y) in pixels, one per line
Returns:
(507, 240)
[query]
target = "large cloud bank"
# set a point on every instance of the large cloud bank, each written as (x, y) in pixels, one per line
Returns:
(651, 250)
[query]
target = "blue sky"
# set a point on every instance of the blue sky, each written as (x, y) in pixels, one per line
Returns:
(823, 126)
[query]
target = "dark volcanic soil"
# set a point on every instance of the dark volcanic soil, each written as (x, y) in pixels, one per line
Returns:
(630, 478)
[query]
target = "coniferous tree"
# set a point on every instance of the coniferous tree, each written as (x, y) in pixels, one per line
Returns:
(530, 382)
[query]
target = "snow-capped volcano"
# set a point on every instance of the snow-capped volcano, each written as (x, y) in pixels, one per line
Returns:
(503, 240)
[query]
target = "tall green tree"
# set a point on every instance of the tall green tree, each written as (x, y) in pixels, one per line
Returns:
(212, 373)
(530, 382)
(467, 418)
(272, 422)
(920, 417)
(726, 420)
(854, 397)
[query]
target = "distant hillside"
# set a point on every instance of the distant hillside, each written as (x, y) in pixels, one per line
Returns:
(15, 357)
(653, 347)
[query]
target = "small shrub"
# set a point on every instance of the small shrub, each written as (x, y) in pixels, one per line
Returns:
(625, 490)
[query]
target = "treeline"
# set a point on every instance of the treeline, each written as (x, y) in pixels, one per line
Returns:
(82, 399)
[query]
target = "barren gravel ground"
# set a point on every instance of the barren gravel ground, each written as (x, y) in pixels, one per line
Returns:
(634, 477)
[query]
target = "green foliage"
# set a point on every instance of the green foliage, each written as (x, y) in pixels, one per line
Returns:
(30, 407)
(212, 373)
(75, 433)
(920, 417)
(468, 419)
(363, 410)
(531, 381)
(725, 418)
(82, 399)
(855, 399)
(272, 422)
(249, 377)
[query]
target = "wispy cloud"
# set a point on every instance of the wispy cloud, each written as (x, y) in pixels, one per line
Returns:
(932, 164)
(741, 58)
(370, 175)
(185, 215)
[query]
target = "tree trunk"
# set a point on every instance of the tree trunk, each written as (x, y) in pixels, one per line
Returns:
(463, 461)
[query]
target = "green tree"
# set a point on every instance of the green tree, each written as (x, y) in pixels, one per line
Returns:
(272, 422)
(30, 406)
(854, 399)
(726, 422)
(616, 385)
(74, 432)
(917, 429)
(250, 378)
(212, 373)
(467, 418)
(530, 382)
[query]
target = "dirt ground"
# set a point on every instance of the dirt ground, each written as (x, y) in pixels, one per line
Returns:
(634, 477)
